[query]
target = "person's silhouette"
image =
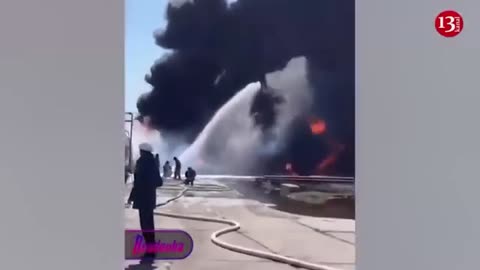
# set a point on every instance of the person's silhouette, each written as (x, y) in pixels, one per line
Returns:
(143, 194)
(167, 169)
(157, 160)
(178, 169)
(190, 175)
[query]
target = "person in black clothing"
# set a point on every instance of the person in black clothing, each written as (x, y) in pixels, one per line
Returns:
(157, 160)
(127, 174)
(143, 195)
(178, 169)
(190, 175)
(167, 170)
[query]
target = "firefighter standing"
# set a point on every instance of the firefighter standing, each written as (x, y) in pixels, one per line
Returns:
(146, 180)
(178, 169)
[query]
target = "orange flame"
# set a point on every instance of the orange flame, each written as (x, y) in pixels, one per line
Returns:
(331, 159)
(318, 127)
(326, 163)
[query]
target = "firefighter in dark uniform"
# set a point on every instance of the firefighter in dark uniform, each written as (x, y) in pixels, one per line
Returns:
(178, 169)
(143, 195)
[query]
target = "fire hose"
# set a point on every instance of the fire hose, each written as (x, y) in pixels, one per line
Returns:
(234, 226)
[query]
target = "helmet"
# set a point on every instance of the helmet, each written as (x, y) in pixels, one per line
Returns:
(145, 147)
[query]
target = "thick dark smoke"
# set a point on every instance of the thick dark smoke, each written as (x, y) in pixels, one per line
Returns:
(264, 108)
(218, 48)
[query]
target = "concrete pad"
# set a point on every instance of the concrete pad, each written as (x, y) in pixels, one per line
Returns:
(260, 220)
(329, 224)
(230, 265)
(262, 228)
(285, 236)
(302, 244)
(342, 266)
(347, 237)
(131, 219)
(199, 204)
(206, 250)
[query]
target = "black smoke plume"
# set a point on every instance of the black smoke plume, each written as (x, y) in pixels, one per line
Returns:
(217, 48)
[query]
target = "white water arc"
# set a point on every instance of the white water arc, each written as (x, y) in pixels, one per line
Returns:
(230, 143)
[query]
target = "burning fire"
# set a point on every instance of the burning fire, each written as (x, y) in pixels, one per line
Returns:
(330, 160)
(318, 126)
(326, 163)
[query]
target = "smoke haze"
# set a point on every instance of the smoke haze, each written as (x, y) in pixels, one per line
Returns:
(218, 50)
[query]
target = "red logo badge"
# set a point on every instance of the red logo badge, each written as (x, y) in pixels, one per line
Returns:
(449, 23)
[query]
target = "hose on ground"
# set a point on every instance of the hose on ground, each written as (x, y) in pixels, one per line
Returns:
(235, 226)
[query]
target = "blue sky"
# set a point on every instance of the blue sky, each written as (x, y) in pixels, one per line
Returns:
(143, 17)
